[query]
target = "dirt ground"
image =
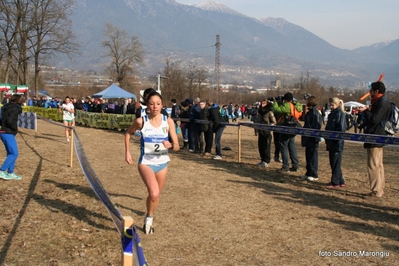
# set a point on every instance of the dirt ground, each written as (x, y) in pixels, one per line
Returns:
(211, 212)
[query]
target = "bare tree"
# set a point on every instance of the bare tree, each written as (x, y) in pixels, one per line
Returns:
(51, 31)
(124, 53)
(202, 76)
(9, 21)
(175, 85)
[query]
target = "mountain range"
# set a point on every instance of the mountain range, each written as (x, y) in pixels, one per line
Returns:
(168, 29)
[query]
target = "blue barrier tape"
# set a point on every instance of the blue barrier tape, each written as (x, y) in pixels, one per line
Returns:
(367, 138)
(138, 249)
(326, 134)
(186, 120)
(92, 178)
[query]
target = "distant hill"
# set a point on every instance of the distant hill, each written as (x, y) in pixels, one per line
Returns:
(169, 29)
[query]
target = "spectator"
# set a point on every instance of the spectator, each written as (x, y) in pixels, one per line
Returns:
(184, 125)
(360, 121)
(204, 137)
(266, 116)
(313, 119)
(254, 116)
(230, 110)
(111, 108)
(41, 101)
(287, 141)
(86, 104)
(118, 107)
(9, 126)
(336, 121)
(196, 127)
(93, 105)
(175, 109)
(374, 119)
(103, 106)
(225, 113)
(218, 117)
(32, 101)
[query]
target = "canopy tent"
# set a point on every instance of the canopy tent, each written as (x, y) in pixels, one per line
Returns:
(5, 87)
(354, 104)
(113, 92)
(13, 88)
(22, 88)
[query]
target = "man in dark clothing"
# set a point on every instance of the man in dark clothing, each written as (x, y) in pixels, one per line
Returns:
(131, 107)
(375, 118)
(190, 103)
(41, 101)
(175, 109)
(266, 116)
(217, 128)
(196, 127)
(313, 119)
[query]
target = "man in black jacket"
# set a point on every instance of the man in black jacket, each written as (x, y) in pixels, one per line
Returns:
(217, 127)
(375, 117)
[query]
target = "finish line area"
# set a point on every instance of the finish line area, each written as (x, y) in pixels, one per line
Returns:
(115, 214)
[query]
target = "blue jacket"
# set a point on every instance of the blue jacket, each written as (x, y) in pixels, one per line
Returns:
(195, 114)
(336, 122)
(313, 119)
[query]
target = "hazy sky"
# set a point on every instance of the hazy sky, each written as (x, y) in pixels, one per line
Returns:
(346, 24)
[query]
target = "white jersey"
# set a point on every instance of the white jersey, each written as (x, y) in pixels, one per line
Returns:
(66, 115)
(152, 151)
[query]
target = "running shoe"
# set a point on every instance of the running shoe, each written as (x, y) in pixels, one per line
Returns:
(311, 178)
(4, 175)
(14, 176)
(148, 228)
(262, 164)
(217, 157)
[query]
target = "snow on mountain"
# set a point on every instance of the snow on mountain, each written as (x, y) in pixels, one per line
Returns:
(217, 7)
(374, 47)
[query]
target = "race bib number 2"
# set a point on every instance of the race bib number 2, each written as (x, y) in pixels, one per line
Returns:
(154, 148)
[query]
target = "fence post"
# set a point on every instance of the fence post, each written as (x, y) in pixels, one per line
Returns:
(127, 241)
(71, 142)
(239, 143)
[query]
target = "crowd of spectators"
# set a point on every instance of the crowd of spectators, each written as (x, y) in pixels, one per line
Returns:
(88, 104)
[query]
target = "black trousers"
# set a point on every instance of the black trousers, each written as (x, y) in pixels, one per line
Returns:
(264, 143)
(336, 171)
(312, 161)
(276, 138)
(208, 140)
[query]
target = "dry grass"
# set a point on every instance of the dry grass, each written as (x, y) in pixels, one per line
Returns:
(211, 212)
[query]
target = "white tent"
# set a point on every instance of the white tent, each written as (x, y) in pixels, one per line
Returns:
(353, 104)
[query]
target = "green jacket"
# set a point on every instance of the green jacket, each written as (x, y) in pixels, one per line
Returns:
(285, 109)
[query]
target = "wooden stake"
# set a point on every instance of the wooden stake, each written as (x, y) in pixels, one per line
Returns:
(239, 144)
(71, 143)
(127, 255)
